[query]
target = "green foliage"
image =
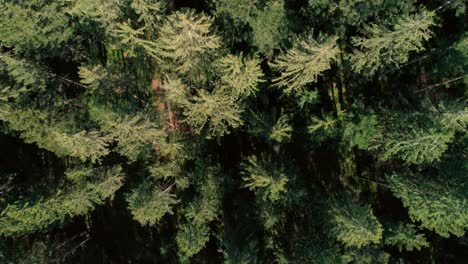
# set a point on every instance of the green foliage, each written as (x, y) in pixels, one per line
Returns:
(27, 76)
(41, 251)
(160, 90)
(34, 27)
(366, 255)
(240, 10)
(148, 11)
(193, 235)
(363, 132)
(304, 63)
(405, 236)
(418, 146)
(339, 14)
(25, 217)
(176, 92)
(352, 224)
(96, 15)
(271, 128)
(416, 138)
(149, 204)
(136, 136)
(315, 250)
(386, 47)
(307, 98)
(268, 27)
(191, 238)
(186, 40)
(217, 112)
(37, 127)
(268, 181)
(321, 129)
(132, 39)
(241, 75)
(439, 203)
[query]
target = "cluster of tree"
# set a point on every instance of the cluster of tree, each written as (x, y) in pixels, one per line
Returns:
(233, 131)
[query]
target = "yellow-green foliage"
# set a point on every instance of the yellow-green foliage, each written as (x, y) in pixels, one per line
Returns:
(186, 40)
(265, 179)
(405, 236)
(351, 223)
(136, 136)
(37, 127)
(191, 238)
(25, 217)
(217, 112)
(384, 46)
(193, 234)
(440, 204)
(304, 62)
(149, 204)
(34, 26)
(241, 75)
(271, 128)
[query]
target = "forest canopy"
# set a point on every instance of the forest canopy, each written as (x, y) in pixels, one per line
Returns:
(233, 131)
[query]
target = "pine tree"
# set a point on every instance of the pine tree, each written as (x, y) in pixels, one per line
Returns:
(405, 236)
(269, 182)
(149, 204)
(25, 217)
(268, 26)
(217, 112)
(193, 234)
(91, 91)
(136, 136)
(302, 64)
(385, 47)
(438, 203)
(130, 39)
(34, 27)
(240, 75)
(423, 141)
(37, 127)
(363, 132)
(186, 40)
(27, 76)
(351, 223)
(271, 127)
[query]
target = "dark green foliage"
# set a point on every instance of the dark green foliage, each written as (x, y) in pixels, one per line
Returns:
(268, 26)
(233, 131)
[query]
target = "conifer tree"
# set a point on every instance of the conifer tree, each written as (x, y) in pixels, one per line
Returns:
(386, 47)
(219, 167)
(439, 203)
(352, 224)
(37, 127)
(303, 63)
(217, 112)
(25, 217)
(269, 183)
(241, 75)
(149, 204)
(405, 236)
(186, 40)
